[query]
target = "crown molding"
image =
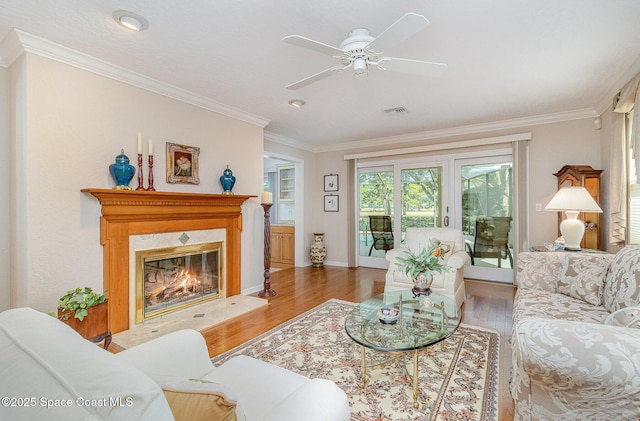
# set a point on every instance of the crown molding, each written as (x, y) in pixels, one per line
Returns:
(456, 131)
(18, 42)
(467, 130)
(287, 141)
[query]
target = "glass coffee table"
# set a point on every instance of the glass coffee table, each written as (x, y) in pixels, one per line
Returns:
(421, 322)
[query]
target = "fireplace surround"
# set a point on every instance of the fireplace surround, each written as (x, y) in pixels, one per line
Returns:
(127, 213)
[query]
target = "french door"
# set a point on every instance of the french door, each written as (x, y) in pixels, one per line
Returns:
(407, 195)
(375, 199)
(483, 194)
(471, 193)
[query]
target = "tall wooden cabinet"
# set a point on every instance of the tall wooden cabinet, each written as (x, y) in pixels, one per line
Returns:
(587, 177)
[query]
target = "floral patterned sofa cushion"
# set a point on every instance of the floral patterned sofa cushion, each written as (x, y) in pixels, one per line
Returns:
(622, 285)
(552, 305)
(567, 370)
(582, 277)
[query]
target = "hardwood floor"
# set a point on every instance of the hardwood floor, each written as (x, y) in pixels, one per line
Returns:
(300, 289)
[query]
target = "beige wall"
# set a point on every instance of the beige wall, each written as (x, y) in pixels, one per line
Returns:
(64, 126)
(334, 224)
(76, 123)
(552, 146)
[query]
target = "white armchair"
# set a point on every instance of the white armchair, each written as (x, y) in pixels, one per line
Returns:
(450, 283)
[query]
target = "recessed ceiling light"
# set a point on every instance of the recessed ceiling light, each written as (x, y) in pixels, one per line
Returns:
(297, 103)
(130, 20)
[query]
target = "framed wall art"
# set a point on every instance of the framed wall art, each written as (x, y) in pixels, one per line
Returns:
(331, 203)
(182, 164)
(331, 182)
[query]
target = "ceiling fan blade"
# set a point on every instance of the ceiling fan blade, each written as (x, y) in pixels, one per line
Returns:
(313, 45)
(318, 76)
(413, 67)
(403, 28)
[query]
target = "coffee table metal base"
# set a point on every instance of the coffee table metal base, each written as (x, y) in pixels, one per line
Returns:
(413, 378)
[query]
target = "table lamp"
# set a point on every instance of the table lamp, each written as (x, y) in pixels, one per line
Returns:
(572, 201)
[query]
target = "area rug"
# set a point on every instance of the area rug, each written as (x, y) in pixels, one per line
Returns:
(459, 383)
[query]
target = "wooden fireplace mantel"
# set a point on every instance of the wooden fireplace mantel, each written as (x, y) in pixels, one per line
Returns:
(138, 212)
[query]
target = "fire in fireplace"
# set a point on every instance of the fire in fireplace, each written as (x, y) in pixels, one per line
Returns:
(171, 279)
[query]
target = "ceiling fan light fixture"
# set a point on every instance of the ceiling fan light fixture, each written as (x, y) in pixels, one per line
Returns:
(297, 103)
(360, 66)
(361, 50)
(130, 20)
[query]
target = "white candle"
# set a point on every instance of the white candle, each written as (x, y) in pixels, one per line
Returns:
(139, 143)
(150, 147)
(267, 197)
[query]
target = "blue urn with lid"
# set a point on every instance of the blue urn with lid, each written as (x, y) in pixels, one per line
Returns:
(227, 179)
(122, 172)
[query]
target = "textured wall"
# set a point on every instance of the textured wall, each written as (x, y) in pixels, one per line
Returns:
(77, 122)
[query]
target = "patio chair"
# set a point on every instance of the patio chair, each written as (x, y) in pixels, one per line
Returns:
(381, 232)
(492, 239)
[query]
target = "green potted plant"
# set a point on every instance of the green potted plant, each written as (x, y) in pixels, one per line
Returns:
(86, 312)
(421, 266)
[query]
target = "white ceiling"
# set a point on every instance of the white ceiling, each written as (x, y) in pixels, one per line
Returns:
(508, 61)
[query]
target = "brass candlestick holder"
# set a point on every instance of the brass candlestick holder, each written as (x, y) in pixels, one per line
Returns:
(150, 188)
(267, 291)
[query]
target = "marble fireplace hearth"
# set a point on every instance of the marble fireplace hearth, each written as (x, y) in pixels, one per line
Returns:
(198, 317)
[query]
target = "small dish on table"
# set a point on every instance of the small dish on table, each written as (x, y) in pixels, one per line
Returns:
(388, 315)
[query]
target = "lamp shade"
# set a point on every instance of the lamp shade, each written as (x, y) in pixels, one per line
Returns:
(573, 198)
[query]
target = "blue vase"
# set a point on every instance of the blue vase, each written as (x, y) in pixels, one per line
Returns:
(227, 180)
(122, 172)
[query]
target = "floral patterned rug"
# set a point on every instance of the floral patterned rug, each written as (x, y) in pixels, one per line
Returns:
(460, 383)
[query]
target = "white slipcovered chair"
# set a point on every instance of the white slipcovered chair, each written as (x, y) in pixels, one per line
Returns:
(49, 372)
(449, 283)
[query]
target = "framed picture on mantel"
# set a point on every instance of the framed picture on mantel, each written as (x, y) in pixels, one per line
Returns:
(182, 164)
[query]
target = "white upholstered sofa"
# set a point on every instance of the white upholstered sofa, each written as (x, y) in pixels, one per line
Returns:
(574, 358)
(49, 372)
(450, 283)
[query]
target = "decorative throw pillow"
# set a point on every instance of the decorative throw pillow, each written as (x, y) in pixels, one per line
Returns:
(622, 287)
(197, 399)
(582, 277)
(450, 245)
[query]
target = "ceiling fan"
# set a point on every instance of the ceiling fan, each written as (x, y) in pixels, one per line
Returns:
(361, 50)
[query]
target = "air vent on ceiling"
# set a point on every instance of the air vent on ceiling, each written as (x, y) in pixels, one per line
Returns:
(396, 111)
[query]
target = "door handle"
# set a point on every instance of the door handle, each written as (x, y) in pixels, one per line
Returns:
(446, 221)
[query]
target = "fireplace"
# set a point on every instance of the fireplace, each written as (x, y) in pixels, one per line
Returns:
(170, 279)
(130, 213)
